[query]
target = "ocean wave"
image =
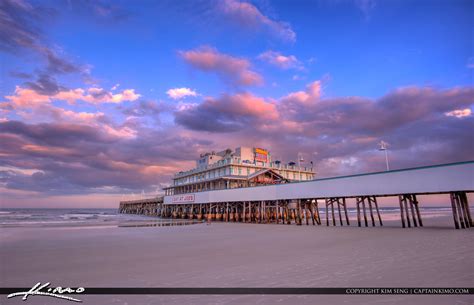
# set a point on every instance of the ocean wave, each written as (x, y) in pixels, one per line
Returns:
(16, 216)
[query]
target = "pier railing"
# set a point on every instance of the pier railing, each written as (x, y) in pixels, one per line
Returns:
(287, 202)
(226, 162)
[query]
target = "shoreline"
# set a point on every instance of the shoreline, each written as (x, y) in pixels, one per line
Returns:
(242, 255)
(429, 221)
(66, 218)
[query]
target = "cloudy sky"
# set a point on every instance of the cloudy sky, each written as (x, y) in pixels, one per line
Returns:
(103, 99)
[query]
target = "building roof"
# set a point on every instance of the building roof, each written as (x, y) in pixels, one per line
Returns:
(266, 170)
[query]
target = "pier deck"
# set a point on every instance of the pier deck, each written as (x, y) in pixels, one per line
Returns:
(149, 206)
(300, 202)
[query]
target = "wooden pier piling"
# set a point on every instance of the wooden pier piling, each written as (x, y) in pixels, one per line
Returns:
(409, 200)
(372, 203)
(297, 211)
(378, 212)
(339, 212)
(340, 202)
(361, 201)
(461, 213)
(463, 198)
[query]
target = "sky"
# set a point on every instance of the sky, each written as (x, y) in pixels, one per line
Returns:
(106, 100)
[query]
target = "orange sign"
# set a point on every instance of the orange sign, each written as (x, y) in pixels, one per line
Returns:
(261, 155)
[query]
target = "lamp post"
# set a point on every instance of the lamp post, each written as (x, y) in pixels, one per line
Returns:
(383, 146)
(300, 159)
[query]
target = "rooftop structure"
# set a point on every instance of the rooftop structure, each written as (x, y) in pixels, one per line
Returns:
(242, 167)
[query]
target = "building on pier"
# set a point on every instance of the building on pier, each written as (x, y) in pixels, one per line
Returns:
(242, 167)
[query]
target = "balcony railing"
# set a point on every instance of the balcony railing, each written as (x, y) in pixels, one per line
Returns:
(239, 162)
(206, 178)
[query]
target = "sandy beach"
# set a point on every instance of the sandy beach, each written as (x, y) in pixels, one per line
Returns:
(241, 255)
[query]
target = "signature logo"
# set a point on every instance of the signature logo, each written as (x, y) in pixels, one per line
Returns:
(45, 290)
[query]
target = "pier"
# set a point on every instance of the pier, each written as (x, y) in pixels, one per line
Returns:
(300, 202)
(149, 206)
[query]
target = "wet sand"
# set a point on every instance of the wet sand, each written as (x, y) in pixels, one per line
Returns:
(241, 255)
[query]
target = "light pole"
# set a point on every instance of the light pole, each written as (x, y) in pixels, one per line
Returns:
(300, 159)
(383, 146)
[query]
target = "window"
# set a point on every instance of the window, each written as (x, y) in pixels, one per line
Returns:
(248, 171)
(240, 171)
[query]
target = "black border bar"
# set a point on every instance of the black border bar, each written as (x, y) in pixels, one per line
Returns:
(257, 291)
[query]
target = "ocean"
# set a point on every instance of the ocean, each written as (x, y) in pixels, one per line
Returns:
(111, 217)
(10, 217)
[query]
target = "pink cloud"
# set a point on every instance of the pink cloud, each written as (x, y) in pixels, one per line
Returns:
(47, 150)
(310, 95)
(248, 15)
(96, 95)
(227, 112)
(24, 97)
(27, 98)
(35, 107)
(123, 132)
(231, 69)
(344, 131)
(179, 93)
(459, 113)
(246, 104)
(281, 61)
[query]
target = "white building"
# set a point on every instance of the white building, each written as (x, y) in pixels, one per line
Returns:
(243, 167)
